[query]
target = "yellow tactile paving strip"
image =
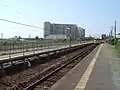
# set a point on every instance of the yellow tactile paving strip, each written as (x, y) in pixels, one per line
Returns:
(83, 81)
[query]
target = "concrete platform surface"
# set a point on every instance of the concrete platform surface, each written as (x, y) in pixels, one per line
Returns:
(70, 80)
(101, 76)
(92, 73)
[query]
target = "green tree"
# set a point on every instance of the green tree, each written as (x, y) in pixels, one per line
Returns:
(36, 37)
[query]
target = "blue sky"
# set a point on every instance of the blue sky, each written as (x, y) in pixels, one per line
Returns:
(96, 16)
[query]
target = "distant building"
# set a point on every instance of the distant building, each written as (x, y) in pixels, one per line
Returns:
(61, 29)
(56, 37)
(47, 28)
(81, 33)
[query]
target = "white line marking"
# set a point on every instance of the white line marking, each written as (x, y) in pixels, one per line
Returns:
(83, 81)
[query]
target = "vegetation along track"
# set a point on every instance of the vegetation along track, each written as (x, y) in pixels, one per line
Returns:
(58, 71)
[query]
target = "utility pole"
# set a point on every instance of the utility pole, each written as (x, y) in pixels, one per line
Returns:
(111, 32)
(70, 36)
(115, 34)
(29, 35)
(1, 35)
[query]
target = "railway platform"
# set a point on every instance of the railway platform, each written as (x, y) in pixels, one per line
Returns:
(21, 54)
(25, 55)
(97, 71)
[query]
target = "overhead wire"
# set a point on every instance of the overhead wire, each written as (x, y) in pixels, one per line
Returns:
(20, 23)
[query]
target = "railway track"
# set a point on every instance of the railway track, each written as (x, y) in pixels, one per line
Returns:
(44, 76)
(58, 71)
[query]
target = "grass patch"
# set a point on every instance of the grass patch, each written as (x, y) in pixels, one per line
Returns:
(116, 49)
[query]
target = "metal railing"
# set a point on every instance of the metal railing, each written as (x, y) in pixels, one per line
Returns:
(21, 49)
